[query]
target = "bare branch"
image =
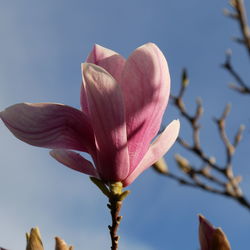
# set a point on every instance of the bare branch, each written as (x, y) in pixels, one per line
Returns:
(241, 85)
(238, 14)
(239, 7)
(210, 176)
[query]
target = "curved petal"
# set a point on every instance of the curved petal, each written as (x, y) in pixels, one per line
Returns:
(106, 110)
(107, 59)
(74, 161)
(49, 125)
(146, 86)
(156, 150)
(99, 53)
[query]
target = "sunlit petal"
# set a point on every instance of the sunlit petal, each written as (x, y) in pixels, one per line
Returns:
(146, 86)
(74, 161)
(49, 125)
(106, 110)
(156, 150)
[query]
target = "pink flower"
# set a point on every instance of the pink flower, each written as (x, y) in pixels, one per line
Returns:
(122, 104)
(211, 238)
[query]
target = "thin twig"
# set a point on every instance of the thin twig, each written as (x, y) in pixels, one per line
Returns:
(211, 177)
(221, 127)
(239, 15)
(114, 192)
(242, 87)
(239, 7)
(115, 207)
(116, 196)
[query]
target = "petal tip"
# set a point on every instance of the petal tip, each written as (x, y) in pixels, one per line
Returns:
(52, 153)
(56, 153)
(175, 124)
(149, 46)
(201, 218)
(205, 224)
(83, 65)
(97, 46)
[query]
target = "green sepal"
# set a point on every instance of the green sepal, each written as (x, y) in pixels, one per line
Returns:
(123, 195)
(101, 186)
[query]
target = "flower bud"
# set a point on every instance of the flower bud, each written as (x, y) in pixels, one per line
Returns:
(185, 80)
(183, 163)
(212, 238)
(34, 241)
(161, 166)
(61, 244)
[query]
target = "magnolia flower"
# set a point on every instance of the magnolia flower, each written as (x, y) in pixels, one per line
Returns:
(122, 104)
(212, 238)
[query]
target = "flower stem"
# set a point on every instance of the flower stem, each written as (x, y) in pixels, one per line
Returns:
(116, 197)
(115, 207)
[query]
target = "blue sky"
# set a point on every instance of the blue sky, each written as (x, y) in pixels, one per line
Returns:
(42, 46)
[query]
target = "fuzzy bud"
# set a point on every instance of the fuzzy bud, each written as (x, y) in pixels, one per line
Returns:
(34, 240)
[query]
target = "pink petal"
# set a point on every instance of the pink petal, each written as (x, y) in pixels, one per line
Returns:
(156, 150)
(99, 53)
(107, 59)
(49, 125)
(146, 85)
(106, 110)
(74, 161)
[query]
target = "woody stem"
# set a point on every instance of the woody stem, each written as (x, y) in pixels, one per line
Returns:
(115, 207)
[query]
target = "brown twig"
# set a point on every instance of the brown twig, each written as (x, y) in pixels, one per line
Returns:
(239, 7)
(239, 15)
(115, 195)
(194, 122)
(115, 207)
(211, 177)
(241, 86)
